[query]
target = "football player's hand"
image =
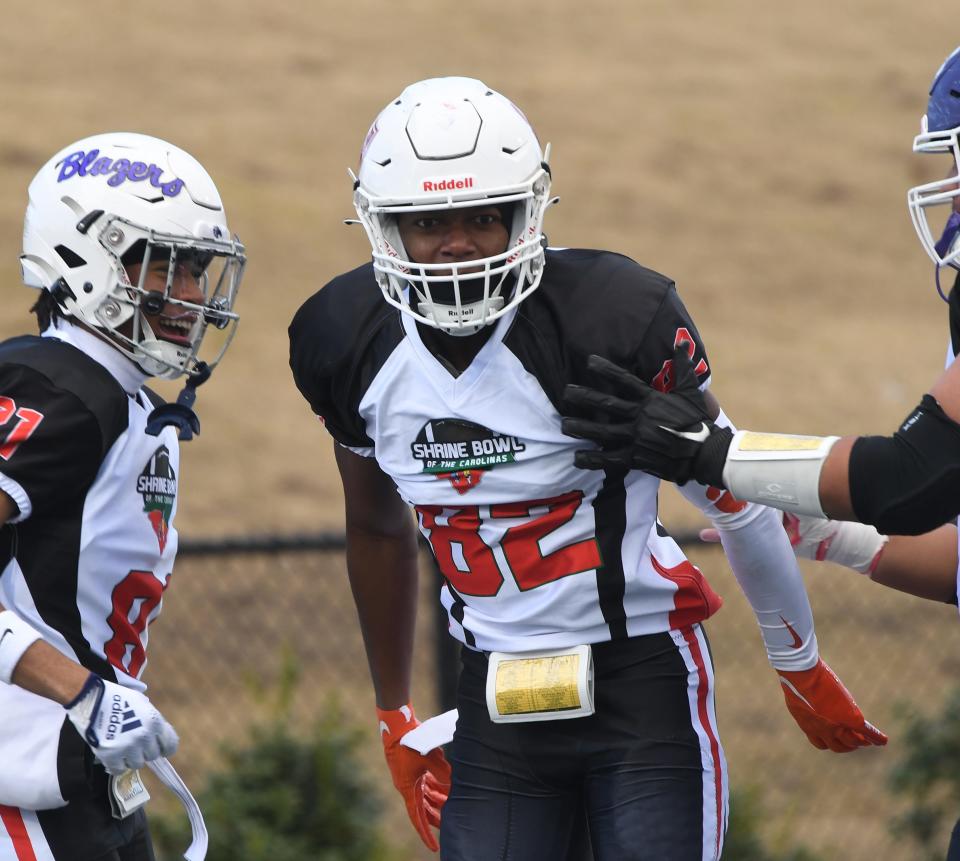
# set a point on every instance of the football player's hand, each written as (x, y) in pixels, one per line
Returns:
(121, 725)
(423, 781)
(825, 711)
(853, 545)
(669, 435)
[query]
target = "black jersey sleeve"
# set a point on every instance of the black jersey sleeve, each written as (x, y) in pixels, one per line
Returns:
(339, 339)
(51, 444)
(670, 326)
(599, 302)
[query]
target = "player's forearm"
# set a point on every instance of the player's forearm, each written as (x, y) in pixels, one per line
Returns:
(834, 484)
(44, 671)
(921, 565)
(766, 570)
(903, 484)
(35, 665)
(383, 577)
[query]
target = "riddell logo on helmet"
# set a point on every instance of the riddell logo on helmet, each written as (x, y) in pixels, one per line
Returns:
(448, 184)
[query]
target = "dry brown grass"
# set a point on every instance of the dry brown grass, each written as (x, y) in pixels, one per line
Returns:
(758, 153)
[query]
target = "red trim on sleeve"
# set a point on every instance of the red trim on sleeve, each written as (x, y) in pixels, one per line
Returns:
(694, 599)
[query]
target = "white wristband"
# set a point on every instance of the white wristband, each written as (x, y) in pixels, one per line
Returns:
(16, 636)
(853, 545)
(778, 470)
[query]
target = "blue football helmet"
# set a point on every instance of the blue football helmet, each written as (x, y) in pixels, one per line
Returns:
(939, 130)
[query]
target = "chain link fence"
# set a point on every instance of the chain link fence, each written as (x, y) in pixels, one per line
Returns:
(238, 612)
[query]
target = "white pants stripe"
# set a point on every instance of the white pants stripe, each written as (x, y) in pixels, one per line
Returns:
(693, 647)
(21, 837)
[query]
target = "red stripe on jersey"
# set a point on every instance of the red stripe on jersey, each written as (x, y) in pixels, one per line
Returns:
(13, 821)
(694, 600)
(703, 692)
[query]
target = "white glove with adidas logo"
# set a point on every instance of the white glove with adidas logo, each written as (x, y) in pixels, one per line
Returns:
(122, 726)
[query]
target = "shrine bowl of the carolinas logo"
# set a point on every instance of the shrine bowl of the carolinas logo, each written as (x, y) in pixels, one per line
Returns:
(157, 484)
(461, 451)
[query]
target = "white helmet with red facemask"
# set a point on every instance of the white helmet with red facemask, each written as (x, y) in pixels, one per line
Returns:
(112, 200)
(453, 143)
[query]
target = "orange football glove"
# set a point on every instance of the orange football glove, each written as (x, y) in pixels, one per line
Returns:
(825, 711)
(423, 781)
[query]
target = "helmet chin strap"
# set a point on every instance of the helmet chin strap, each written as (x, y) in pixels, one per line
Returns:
(452, 320)
(944, 245)
(457, 321)
(180, 414)
(156, 358)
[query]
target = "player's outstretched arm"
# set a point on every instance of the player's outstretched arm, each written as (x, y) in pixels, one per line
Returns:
(760, 556)
(922, 565)
(383, 568)
(902, 484)
(629, 431)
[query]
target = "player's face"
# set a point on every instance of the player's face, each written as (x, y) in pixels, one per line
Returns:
(953, 172)
(172, 322)
(453, 235)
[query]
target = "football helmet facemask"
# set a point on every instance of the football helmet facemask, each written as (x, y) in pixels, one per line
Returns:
(453, 143)
(939, 130)
(112, 200)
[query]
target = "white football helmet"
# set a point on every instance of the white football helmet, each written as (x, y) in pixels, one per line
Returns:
(939, 131)
(109, 196)
(453, 143)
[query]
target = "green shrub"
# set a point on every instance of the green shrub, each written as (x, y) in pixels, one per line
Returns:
(928, 776)
(743, 841)
(282, 796)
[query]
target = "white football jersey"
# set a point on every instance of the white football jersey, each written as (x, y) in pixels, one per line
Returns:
(535, 552)
(91, 552)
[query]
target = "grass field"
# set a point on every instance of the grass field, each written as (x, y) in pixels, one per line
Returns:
(758, 153)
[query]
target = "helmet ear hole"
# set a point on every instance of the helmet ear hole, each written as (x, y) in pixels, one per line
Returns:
(70, 257)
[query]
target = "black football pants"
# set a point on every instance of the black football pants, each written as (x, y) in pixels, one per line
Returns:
(646, 770)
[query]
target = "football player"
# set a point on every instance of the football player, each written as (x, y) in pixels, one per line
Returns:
(904, 484)
(439, 370)
(126, 240)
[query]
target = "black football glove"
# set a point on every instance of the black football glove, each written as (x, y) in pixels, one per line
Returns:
(668, 435)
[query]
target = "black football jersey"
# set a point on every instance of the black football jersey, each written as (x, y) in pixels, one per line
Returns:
(535, 552)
